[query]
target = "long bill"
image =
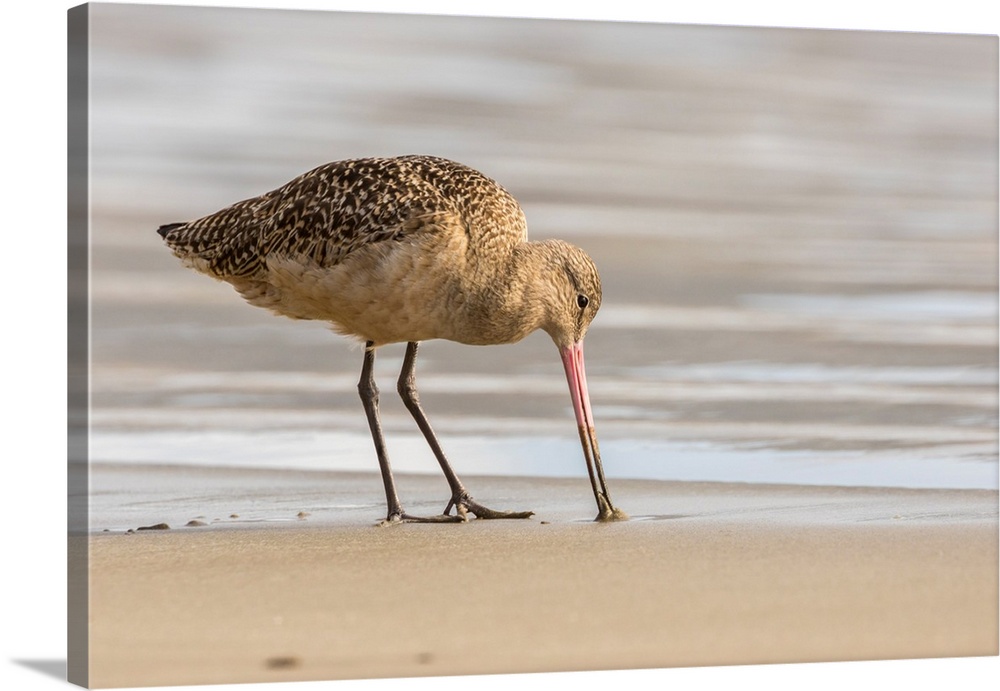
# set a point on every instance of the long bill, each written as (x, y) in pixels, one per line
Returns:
(576, 376)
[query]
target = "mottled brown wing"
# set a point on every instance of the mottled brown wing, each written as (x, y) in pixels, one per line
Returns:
(324, 215)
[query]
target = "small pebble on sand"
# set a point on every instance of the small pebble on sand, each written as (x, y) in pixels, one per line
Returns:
(158, 526)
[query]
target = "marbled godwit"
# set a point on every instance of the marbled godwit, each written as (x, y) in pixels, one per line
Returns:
(407, 249)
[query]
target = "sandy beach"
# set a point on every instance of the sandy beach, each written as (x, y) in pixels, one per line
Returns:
(703, 574)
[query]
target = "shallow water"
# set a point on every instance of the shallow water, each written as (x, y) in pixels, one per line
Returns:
(796, 232)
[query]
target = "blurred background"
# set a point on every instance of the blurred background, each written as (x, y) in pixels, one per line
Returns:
(796, 232)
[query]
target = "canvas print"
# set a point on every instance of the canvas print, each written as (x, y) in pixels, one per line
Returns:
(331, 276)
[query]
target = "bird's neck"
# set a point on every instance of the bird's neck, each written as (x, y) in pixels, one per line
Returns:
(514, 301)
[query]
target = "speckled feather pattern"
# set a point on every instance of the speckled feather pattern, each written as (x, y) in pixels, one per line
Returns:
(326, 214)
(392, 249)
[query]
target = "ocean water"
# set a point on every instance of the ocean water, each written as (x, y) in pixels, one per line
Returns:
(796, 233)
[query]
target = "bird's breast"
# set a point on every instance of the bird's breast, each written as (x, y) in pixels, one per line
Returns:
(415, 289)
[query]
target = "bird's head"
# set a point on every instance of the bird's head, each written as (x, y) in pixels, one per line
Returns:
(572, 293)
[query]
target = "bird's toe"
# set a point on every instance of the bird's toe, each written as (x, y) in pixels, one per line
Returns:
(397, 519)
(465, 505)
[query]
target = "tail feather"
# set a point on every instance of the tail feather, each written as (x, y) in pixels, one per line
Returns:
(163, 230)
(195, 256)
(204, 246)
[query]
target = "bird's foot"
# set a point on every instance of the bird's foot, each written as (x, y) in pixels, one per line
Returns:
(395, 518)
(464, 505)
(607, 512)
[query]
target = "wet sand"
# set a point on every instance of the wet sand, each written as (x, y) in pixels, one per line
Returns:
(704, 574)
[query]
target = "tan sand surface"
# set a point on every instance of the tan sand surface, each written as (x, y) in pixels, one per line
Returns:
(732, 574)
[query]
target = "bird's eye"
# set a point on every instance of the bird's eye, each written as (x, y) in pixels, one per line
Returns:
(582, 301)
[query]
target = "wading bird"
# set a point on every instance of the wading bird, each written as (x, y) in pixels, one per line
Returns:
(407, 249)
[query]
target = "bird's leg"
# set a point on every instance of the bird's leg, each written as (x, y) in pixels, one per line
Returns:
(369, 399)
(460, 497)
